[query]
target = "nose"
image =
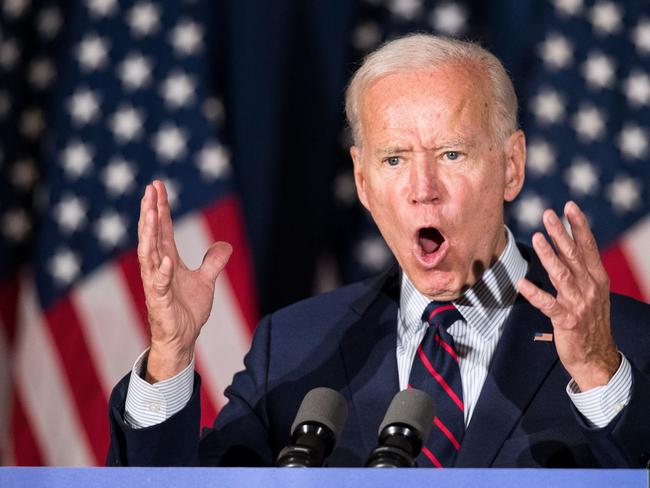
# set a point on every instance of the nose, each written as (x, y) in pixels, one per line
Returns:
(424, 184)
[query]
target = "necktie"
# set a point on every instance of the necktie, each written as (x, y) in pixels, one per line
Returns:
(435, 370)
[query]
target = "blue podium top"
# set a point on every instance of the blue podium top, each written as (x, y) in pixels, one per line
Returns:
(305, 478)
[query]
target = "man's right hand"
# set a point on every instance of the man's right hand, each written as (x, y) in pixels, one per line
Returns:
(179, 300)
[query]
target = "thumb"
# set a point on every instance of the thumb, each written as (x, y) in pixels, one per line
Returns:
(215, 260)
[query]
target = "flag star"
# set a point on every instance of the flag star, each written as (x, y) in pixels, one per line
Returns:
(102, 8)
(449, 18)
(624, 193)
(144, 19)
(366, 36)
(64, 266)
(70, 213)
(16, 225)
(135, 71)
(177, 90)
(528, 211)
(119, 177)
(49, 22)
(548, 107)
(556, 52)
(213, 161)
(589, 123)
(373, 253)
(598, 70)
(606, 17)
(92, 53)
(568, 7)
(76, 159)
(633, 142)
(126, 123)
(637, 88)
(170, 143)
(641, 36)
(24, 173)
(345, 190)
(32, 123)
(406, 9)
(186, 38)
(540, 157)
(83, 106)
(581, 177)
(41, 73)
(110, 229)
(213, 110)
(9, 53)
(15, 8)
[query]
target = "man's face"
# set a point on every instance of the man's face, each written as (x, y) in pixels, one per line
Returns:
(434, 177)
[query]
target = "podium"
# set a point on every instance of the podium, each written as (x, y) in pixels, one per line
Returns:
(318, 478)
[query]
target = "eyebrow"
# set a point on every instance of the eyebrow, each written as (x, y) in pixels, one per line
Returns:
(387, 151)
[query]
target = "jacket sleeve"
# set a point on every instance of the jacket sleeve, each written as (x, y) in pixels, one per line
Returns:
(625, 441)
(239, 437)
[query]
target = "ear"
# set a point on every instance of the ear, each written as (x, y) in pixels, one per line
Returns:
(359, 177)
(515, 165)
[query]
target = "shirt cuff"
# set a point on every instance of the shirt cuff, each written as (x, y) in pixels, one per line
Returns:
(150, 404)
(600, 405)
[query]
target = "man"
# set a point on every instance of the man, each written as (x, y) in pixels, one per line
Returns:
(556, 375)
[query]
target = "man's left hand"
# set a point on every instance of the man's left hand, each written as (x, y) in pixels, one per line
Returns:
(580, 311)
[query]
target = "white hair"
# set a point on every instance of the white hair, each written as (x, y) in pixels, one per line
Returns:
(421, 51)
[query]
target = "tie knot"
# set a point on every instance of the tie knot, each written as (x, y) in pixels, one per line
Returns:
(442, 314)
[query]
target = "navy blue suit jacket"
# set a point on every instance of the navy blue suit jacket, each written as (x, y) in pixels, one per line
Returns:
(346, 340)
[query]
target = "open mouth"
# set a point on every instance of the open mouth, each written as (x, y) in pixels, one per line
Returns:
(430, 240)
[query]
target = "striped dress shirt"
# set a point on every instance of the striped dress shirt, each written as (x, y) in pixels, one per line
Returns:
(484, 307)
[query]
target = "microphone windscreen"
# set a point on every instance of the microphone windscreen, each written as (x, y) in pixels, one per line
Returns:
(414, 408)
(325, 406)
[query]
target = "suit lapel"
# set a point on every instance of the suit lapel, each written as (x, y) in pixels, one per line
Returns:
(368, 344)
(518, 368)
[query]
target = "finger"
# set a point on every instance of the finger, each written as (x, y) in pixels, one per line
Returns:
(584, 239)
(541, 300)
(567, 249)
(163, 276)
(145, 205)
(166, 230)
(215, 260)
(558, 272)
(147, 250)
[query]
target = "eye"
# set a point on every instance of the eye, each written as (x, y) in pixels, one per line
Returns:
(393, 160)
(452, 155)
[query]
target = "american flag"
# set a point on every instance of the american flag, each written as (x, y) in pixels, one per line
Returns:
(586, 113)
(97, 98)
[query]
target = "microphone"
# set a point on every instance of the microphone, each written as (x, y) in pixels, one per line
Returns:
(404, 430)
(315, 430)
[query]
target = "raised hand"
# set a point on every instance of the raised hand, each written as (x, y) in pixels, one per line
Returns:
(580, 311)
(179, 300)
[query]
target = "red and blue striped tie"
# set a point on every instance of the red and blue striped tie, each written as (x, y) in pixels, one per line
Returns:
(435, 370)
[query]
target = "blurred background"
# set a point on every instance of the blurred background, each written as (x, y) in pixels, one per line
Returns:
(238, 106)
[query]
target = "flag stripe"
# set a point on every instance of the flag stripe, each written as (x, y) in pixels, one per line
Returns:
(110, 324)
(24, 449)
(636, 247)
(81, 374)
(130, 270)
(41, 382)
(225, 222)
(622, 279)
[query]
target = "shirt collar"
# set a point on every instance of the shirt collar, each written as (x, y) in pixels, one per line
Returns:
(483, 305)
